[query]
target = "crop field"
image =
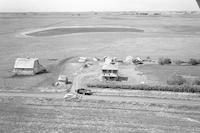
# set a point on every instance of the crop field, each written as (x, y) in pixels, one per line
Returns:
(156, 72)
(32, 103)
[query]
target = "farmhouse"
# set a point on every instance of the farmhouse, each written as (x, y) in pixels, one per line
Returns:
(110, 72)
(27, 66)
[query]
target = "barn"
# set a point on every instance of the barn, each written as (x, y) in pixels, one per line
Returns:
(27, 66)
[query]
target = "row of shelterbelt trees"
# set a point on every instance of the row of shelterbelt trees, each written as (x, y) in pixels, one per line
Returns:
(167, 61)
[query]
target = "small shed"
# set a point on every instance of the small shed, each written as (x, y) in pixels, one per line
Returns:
(129, 59)
(107, 60)
(138, 60)
(110, 60)
(27, 66)
(95, 59)
(82, 59)
(62, 79)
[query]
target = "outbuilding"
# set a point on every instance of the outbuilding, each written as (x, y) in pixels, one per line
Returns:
(138, 60)
(27, 66)
(83, 59)
(62, 80)
(109, 60)
(129, 60)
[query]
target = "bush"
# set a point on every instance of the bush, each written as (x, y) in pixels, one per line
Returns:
(178, 62)
(164, 61)
(148, 58)
(196, 82)
(172, 88)
(193, 62)
(176, 80)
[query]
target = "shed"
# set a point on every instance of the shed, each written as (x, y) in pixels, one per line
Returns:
(138, 60)
(110, 60)
(82, 59)
(27, 66)
(62, 79)
(129, 59)
(95, 59)
(107, 60)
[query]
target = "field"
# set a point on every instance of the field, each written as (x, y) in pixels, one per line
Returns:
(156, 72)
(47, 115)
(32, 104)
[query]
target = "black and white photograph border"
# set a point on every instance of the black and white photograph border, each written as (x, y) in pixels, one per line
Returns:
(74, 66)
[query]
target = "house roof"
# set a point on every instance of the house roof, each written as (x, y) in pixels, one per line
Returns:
(25, 62)
(110, 67)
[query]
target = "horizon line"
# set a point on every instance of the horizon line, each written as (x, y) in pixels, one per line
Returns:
(100, 11)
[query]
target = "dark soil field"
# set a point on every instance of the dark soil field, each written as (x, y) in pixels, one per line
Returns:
(63, 31)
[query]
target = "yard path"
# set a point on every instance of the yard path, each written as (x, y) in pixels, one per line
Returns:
(78, 80)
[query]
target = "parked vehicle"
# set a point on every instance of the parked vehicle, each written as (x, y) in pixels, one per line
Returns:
(84, 91)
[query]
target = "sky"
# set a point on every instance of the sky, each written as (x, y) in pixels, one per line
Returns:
(96, 5)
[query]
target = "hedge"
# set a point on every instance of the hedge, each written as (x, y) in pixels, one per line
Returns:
(164, 61)
(172, 88)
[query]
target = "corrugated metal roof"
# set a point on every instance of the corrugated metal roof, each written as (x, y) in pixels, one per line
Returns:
(25, 62)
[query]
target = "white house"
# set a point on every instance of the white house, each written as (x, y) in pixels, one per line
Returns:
(110, 72)
(27, 66)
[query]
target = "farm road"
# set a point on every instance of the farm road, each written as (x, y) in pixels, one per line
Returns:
(106, 98)
(79, 79)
